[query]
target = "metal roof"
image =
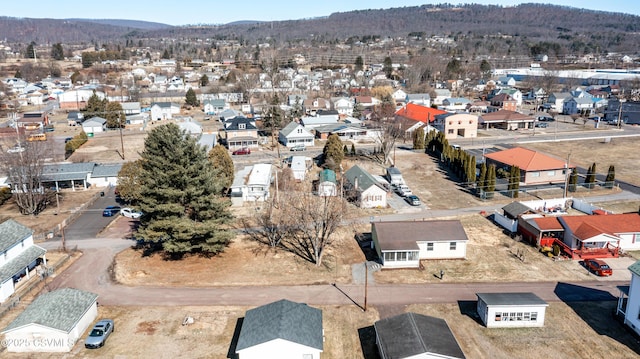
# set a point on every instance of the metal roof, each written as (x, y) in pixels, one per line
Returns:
(61, 309)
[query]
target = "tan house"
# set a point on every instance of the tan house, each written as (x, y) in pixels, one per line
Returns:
(457, 125)
(240, 132)
(535, 167)
(505, 119)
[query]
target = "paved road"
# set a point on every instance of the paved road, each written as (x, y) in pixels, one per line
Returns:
(91, 221)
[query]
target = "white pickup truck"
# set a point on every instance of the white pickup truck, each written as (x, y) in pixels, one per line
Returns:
(403, 190)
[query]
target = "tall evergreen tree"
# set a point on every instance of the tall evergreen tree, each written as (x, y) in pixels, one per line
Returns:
(491, 181)
(482, 180)
(30, 53)
(114, 115)
(611, 176)
(332, 153)
(573, 180)
(470, 170)
(183, 212)
(418, 139)
(590, 178)
(57, 52)
(353, 150)
(95, 107)
(190, 98)
(223, 164)
(359, 64)
(204, 80)
(387, 67)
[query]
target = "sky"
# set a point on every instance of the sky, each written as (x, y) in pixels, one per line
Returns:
(189, 12)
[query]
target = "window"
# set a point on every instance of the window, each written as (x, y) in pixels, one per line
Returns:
(401, 256)
(498, 316)
(534, 316)
(452, 246)
(534, 174)
(450, 131)
(242, 126)
(413, 256)
(429, 247)
(389, 256)
(551, 173)
(307, 356)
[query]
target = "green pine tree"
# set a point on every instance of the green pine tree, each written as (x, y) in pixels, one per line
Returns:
(573, 180)
(114, 115)
(183, 212)
(333, 153)
(482, 180)
(223, 164)
(353, 150)
(418, 139)
(491, 181)
(190, 98)
(95, 107)
(590, 178)
(611, 177)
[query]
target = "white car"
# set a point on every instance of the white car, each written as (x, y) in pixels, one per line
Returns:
(16, 149)
(130, 213)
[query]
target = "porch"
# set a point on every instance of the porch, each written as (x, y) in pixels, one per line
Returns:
(607, 251)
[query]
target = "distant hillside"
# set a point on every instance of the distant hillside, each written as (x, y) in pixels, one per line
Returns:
(135, 24)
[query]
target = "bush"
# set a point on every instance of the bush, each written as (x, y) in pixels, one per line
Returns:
(5, 194)
(75, 143)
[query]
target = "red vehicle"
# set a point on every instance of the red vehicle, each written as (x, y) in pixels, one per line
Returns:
(598, 267)
(242, 151)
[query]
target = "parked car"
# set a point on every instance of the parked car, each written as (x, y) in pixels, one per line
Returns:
(413, 200)
(16, 149)
(598, 267)
(99, 334)
(242, 151)
(130, 213)
(403, 190)
(110, 211)
(541, 125)
(298, 148)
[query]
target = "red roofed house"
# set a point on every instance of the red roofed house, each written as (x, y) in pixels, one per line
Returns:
(508, 120)
(535, 167)
(419, 113)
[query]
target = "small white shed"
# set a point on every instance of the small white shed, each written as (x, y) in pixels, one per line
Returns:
(94, 125)
(53, 322)
(511, 310)
(299, 167)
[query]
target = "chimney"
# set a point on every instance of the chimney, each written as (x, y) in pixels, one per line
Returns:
(355, 184)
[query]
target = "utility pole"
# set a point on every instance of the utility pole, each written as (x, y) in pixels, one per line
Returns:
(567, 176)
(366, 284)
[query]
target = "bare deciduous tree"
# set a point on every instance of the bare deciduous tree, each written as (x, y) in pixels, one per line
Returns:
(23, 164)
(388, 130)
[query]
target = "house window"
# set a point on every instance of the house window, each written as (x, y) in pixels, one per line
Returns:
(534, 174)
(450, 131)
(429, 247)
(534, 316)
(389, 256)
(242, 126)
(413, 256)
(551, 173)
(452, 246)
(307, 356)
(498, 316)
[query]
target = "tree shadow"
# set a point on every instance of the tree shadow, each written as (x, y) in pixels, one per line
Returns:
(367, 337)
(231, 353)
(597, 308)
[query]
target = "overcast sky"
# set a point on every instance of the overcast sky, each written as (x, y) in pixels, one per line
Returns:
(186, 12)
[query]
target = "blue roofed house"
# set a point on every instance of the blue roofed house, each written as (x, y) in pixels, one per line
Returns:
(364, 189)
(18, 256)
(214, 106)
(281, 330)
(294, 134)
(53, 322)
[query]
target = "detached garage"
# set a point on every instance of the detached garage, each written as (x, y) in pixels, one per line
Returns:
(94, 125)
(53, 322)
(511, 310)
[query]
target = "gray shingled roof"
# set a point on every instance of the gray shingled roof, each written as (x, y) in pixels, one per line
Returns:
(635, 268)
(106, 170)
(294, 322)
(19, 263)
(12, 232)
(410, 334)
(67, 171)
(365, 179)
(60, 309)
(514, 209)
(404, 235)
(510, 299)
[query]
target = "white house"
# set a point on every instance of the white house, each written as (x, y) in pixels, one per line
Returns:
(416, 336)
(18, 256)
(344, 106)
(214, 106)
(252, 183)
(53, 322)
(164, 111)
(94, 125)
(364, 189)
(423, 99)
(511, 310)
(399, 95)
(556, 101)
(630, 308)
(294, 134)
(402, 244)
(104, 175)
(281, 330)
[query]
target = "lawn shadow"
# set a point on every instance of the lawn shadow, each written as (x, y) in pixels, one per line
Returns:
(367, 337)
(597, 308)
(470, 309)
(231, 353)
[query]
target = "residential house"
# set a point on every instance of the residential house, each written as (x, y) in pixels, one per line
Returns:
(423, 99)
(511, 310)
(344, 106)
(629, 307)
(104, 175)
(514, 94)
(457, 125)
(556, 100)
(535, 167)
(507, 81)
(94, 125)
(402, 244)
(240, 132)
(478, 106)
(131, 108)
(214, 106)
(504, 119)
(75, 118)
(399, 96)
(164, 110)
(582, 105)
(252, 184)
(366, 102)
(505, 102)
(327, 183)
(281, 330)
(18, 256)
(311, 122)
(53, 322)
(77, 99)
(294, 134)
(312, 106)
(364, 189)
(628, 114)
(602, 231)
(345, 132)
(292, 100)
(454, 104)
(418, 113)
(441, 95)
(190, 127)
(416, 336)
